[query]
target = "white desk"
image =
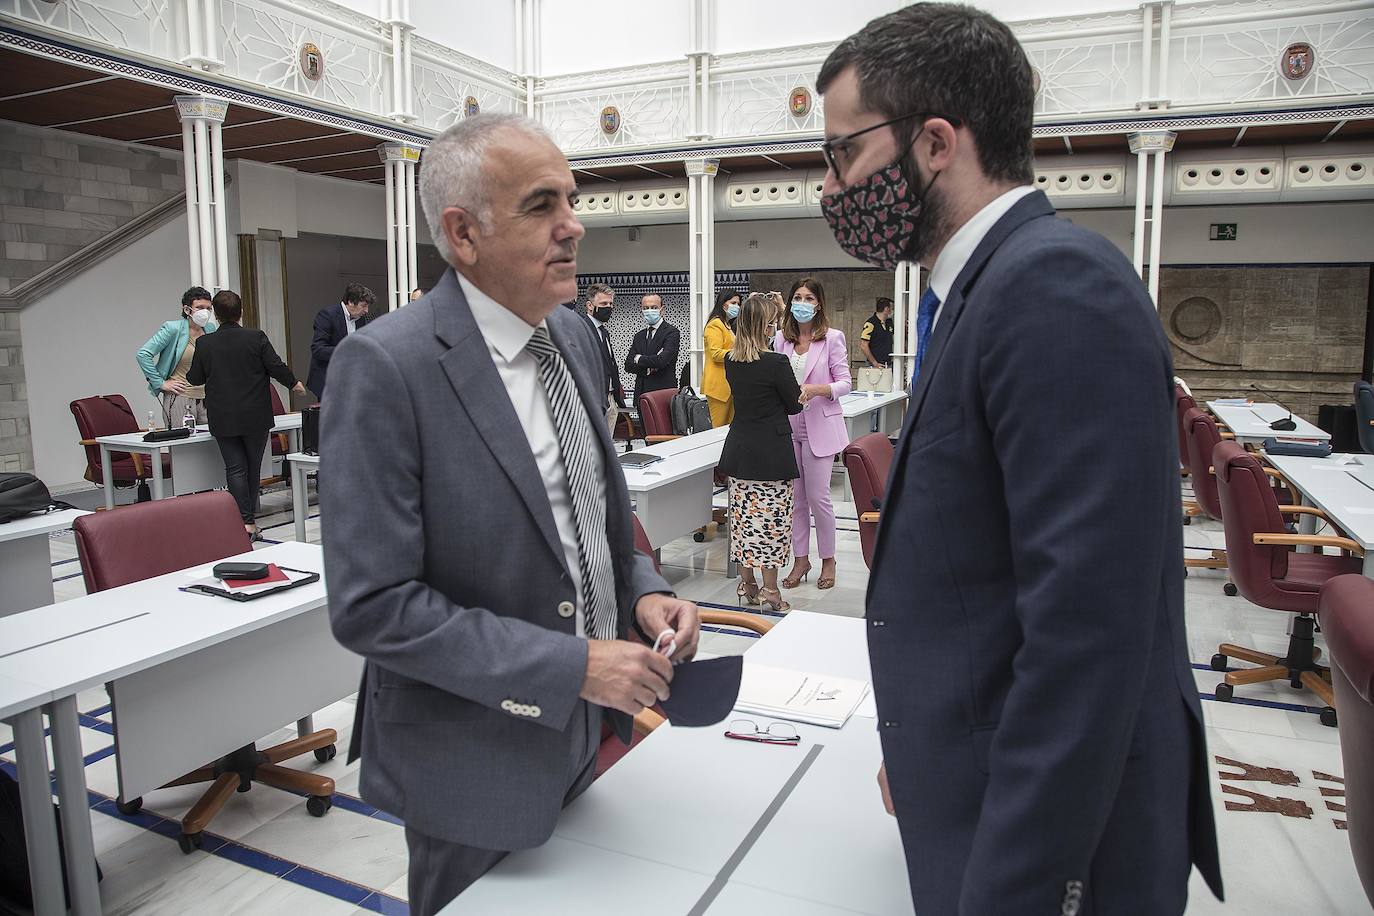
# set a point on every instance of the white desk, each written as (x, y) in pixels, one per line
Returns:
(672, 497)
(26, 562)
(1251, 422)
(1342, 486)
(859, 408)
(680, 833)
(196, 461)
(192, 677)
(301, 465)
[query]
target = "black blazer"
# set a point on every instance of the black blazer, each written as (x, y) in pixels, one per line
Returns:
(330, 330)
(657, 348)
(1036, 541)
(613, 386)
(759, 444)
(234, 364)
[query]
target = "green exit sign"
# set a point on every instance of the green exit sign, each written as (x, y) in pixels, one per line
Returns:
(1222, 232)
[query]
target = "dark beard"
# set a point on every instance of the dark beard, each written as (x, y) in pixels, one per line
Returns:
(932, 225)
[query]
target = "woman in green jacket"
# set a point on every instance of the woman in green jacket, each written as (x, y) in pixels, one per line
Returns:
(166, 358)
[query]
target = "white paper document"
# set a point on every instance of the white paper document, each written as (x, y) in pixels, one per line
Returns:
(799, 696)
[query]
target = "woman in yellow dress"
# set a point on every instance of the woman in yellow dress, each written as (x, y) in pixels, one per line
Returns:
(720, 338)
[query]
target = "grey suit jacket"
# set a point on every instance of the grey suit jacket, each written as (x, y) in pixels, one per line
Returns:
(446, 573)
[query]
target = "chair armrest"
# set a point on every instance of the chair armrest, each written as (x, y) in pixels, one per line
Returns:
(870, 517)
(1275, 473)
(138, 463)
(87, 442)
(759, 625)
(1226, 435)
(1305, 510)
(652, 439)
(1275, 539)
(283, 440)
(646, 721)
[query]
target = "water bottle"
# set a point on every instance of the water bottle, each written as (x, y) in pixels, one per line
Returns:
(188, 419)
(152, 421)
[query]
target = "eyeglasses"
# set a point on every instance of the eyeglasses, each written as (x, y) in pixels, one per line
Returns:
(774, 733)
(829, 146)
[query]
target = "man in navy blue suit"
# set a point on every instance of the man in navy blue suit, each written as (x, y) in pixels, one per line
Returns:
(1042, 736)
(332, 324)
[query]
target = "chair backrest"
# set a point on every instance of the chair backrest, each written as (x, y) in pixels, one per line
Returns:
(656, 412)
(1202, 438)
(867, 460)
(1183, 402)
(1347, 616)
(149, 539)
(1364, 415)
(642, 542)
(102, 415)
(1248, 506)
(277, 407)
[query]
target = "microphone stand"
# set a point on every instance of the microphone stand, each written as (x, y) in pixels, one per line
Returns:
(1284, 424)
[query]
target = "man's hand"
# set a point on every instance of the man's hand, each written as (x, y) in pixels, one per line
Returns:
(624, 675)
(657, 613)
(887, 794)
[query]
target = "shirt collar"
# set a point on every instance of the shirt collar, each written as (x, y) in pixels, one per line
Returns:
(504, 331)
(347, 317)
(965, 241)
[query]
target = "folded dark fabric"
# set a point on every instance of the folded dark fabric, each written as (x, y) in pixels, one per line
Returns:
(704, 692)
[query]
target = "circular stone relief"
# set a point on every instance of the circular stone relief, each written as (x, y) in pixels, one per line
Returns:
(1196, 320)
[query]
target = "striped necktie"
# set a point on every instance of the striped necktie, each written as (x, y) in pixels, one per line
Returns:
(925, 320)
(576, 442)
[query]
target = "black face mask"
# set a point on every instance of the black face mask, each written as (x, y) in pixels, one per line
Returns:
(603, 314)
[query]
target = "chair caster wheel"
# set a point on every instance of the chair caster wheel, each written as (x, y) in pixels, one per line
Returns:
(132, 806)
(1230, 589)
(1187, 519)
(1328, 716)
(1224, 692)
(326, 753)
(190, 842)
(1218, 662)
(317, 805)
(699, 536)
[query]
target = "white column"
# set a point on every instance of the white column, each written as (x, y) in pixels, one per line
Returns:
(1156, 226)
(219, 213)
(402, 233)
(207, 232)
(411, 223)
(391, 284)
(1142, 165)
(211, 42)
(1147, 51)
(701, 175)
(900, 279)
(188, 168)
(401, 214)
(195, 34)
(1158, 143)
(1166, 11)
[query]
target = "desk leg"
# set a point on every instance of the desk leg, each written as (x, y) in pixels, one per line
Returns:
(35, 799)
(731, 567)
(77, 844)
(1368, 568)
(1307, 524)
(299, 501)
(305, 726)
(155, 468)
(105, 473)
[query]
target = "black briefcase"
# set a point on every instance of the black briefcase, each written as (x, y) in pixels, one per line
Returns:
(310, 430)
(1339, 420)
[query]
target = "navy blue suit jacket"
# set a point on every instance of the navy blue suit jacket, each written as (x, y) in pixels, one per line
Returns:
(330, 331)
(1040, 723)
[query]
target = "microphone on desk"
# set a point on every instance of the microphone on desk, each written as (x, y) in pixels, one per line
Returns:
(1284, 424)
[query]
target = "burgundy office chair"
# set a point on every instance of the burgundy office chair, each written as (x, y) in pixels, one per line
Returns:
(150, 539)
(1183, 402)
(1270, 573)
(868, 459)
(656, 415)
(1347, 615)
(1200, 438)
(111, 415)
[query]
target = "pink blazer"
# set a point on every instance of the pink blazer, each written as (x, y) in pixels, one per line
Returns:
(827, 363)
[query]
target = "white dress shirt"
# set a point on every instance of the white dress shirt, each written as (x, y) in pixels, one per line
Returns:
(965, 241)
(506, 335)
(349, 321)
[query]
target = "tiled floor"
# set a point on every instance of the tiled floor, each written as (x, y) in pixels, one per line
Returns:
(1283, 847)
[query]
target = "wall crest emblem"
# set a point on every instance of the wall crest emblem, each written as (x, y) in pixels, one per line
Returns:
(1297, 60)
(312, 62)
(471, 107)
(799, 102)
(610, 120)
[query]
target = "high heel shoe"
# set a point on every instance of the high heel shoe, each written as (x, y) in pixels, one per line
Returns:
(825, 581)
(774, 603)
(748, 593)
(797, 578)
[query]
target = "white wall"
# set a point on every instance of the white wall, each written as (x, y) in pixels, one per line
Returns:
(601, 34)
(483, 30)
(80, 340)
(276, 197)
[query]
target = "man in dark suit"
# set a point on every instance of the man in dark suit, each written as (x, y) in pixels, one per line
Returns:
(652, 359)
(332, 324)
(600, 305)
(491, 660)
(1050, 757)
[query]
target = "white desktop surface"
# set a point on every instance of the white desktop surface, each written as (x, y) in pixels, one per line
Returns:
(26, 561)
(285, 423)
(17, 696)
(682, 458)
(1251, 422)
(1328, 484)
(39, 524)
(857, 403)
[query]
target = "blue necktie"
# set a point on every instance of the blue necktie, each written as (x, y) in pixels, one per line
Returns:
(925, 320)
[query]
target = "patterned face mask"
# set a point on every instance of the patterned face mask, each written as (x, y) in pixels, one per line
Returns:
(875, 220)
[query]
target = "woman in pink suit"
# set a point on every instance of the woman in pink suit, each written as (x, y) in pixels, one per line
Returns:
(820, 361)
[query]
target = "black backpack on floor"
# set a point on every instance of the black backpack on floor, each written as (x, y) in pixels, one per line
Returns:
(14, 855)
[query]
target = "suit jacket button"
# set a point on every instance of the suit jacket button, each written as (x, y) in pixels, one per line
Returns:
(879, 623)
(566, 609)
(890, 724)
(508, 705)
(535, 711)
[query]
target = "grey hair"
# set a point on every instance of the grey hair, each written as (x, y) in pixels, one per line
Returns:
(452, 170)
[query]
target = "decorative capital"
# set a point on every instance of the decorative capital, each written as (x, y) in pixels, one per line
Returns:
(398, 152)
(700, 167)
(1152, 141)
(201, 108)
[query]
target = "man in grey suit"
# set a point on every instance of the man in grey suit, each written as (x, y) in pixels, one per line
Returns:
(478, 540)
